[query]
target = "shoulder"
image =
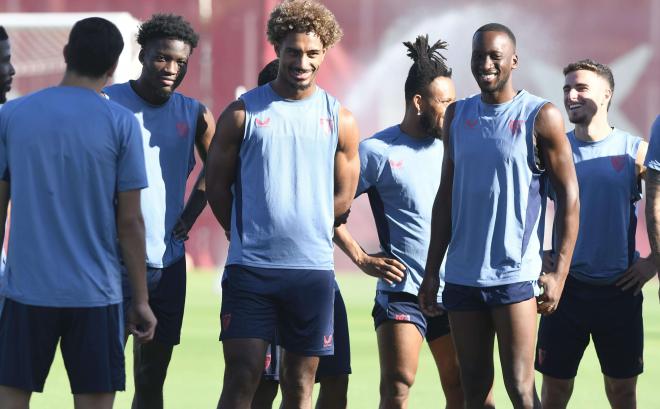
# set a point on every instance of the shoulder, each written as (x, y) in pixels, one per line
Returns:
(115, 89)
(376, 145)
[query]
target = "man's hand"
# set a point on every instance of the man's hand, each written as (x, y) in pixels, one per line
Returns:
(637, 275)
(380, 266)
(181, 230)
(428, 296)
(551, 285)
(141, 322)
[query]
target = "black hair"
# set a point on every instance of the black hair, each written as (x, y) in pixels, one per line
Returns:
(498, 28)
(269, 72)
(428, 65)
(167, 26)
(94, 47)
(3, 34)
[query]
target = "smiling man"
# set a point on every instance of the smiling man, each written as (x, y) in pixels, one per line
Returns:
(283, 167)
(501, 146)
(172, 126)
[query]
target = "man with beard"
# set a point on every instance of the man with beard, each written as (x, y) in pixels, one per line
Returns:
(172, 126)
(602, 296)
(400, 171)
(6, 68)
(283, 167)
(488, 219)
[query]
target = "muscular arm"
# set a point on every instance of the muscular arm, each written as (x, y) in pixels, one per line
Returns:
(347, 163)
(440, 225)
(222, 161)
(197, 200)
(130, 233)
(558, 160)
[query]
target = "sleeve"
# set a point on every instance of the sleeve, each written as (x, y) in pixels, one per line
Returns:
(370, 167)
(653, 154)
(131, 171)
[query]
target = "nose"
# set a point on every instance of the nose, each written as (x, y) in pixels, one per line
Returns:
(12, 71)
(172, 67)
(572, 94)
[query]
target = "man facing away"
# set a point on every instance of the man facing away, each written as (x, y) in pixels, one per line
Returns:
(75, 165)
(601, 297)
(501, 145)
(172, 126)
(284, 166)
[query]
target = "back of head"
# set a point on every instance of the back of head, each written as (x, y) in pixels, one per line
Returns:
(303, 16)
(170, 26)
(428, 65)
(94, 47)
(269, 72)
(498, 28)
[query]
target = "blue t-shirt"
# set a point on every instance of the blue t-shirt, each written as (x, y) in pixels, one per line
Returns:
(67, 152)
(168, 134)
(609, 191)
(401, 175)
(653, 154)
(499, 191)
(283, 210)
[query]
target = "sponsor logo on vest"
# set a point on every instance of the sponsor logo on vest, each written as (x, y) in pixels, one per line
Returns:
(401, 317)
(226, 320)
(326, 125)
(182, 129)
(327, 341)
(396, 165)
(618, 162)
(260, 123)
(471, 123)
(516, 125)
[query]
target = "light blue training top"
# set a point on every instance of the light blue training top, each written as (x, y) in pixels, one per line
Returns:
(168, 135)
(609, 191)
(67, 152)
(401, 175)
(283, 210)
(653, 154)
(499, 191)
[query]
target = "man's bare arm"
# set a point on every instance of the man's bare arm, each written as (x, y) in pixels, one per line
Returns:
(222, 161)
(440, 225)
(653, 213)
(347, 163)
(557, 158)
(4, 206)
(141, 321)
(197, 200)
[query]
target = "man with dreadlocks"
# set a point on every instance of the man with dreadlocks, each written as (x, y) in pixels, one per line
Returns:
(172, 126)
(400, 171)
(283, 168)
(501, 146)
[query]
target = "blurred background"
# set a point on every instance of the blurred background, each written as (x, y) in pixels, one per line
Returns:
(367, 69)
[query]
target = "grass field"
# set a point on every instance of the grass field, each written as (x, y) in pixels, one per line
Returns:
(195, 374)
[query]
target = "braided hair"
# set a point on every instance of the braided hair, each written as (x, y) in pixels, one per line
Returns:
(428, 64)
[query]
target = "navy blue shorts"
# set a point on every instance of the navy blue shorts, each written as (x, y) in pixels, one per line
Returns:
(467, 298)
(613, 319)
(404, 307)
(167, 299)
(329, 365)
(91, 340)
(297, 304)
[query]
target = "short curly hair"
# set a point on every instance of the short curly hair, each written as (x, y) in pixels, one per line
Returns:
(303, 16)
(167, 26)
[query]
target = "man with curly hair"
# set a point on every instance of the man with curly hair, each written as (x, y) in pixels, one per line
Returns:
(282, 171)
(172, 126)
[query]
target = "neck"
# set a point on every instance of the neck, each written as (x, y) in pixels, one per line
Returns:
(73, 79)
(506, 94)
(597, 129)
(148, 94)
(283, 89)
(411, 125)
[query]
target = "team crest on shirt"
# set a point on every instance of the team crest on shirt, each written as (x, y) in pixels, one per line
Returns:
(182, 129)
(261, 123)
(516, 126)
(471, 123)
(269, 358)
(326, 125)
(396, 164)
(327, 341)
(226, 320)
(618, 162)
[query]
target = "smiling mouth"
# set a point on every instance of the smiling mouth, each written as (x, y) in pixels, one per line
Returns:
(487, 77)
(166, 82)
(573, 107)
(300, 75)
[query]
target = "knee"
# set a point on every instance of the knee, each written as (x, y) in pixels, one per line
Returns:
(622, 394)
(242, 376)
(396, 384)
(334, 385)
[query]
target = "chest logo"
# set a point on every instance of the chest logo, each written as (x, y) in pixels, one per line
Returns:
(471, 123)
(326, 125)
(516, 125)
(396, 164)
(618, 162)
(260, 123)
(182, 129)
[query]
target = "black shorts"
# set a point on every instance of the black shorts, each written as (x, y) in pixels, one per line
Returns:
(613, 319)
(91, 340)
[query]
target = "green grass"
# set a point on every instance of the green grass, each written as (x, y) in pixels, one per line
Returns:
(195, 374)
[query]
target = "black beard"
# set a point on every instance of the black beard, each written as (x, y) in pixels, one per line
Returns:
(428, 126)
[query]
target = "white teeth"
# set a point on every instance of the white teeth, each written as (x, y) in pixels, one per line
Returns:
(574, 106)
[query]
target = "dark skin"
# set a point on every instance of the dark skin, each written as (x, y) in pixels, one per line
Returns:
(7, 71)
(493, 60)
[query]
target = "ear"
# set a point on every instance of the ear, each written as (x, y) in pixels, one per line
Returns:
(141, 56)
(608, 96)
(417, 103)
(514, 61)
